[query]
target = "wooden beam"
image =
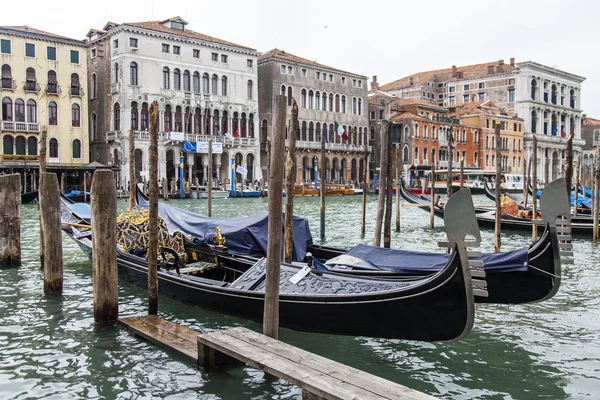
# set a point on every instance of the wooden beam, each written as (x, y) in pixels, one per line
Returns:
(289, 185)
(498, 219)
(132, 182)
(50, 217)
(382, 182)
(10, 220)
(209, 181)
(534, 165)
(153, 213)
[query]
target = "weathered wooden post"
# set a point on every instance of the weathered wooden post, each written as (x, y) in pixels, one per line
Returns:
(595, 200)
(450, 159)
(289, 186)
(398, 183)
(10, 220)
(43, 162)
(209, 182)
(498, 188)
(577, 185)
(197, 184)
(322, 178)
(569, 168)
(153, 213)
(383, 182)
(132, 181)
(534, 231)
(389, 187)
(85, 186)
(432, 195)
(52, 237)
(462, 172)
(271, 309)
(365, 187)
(104, 252)
(524, 181)
(165, 188)
(63, 186)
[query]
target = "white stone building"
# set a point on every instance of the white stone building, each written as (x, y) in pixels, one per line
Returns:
(205, 88)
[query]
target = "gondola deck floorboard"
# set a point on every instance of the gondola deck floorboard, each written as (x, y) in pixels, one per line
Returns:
(319, 377)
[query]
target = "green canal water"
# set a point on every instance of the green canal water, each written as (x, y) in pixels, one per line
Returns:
(51, 348)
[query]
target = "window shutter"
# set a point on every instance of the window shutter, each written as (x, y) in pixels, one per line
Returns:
(74, 80)
(52, 77)
(30, 74)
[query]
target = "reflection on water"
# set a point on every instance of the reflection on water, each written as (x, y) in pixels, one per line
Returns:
(51, 347)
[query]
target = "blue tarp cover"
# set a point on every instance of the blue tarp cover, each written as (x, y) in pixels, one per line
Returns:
(417, 262)
(581, 200)
(243, 235)
(75, 193)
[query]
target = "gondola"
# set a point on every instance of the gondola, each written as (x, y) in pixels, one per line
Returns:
(520, 276)
(78, 196)
(490, 193)
(29, 197)
(438, 307)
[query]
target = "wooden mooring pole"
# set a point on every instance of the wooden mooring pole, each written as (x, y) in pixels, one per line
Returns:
(10, 220)
(450, 159)
(462, 173)
(498, 188)
(432, 195)
(165, 188)
(382, 182)
(52, 236)
(534, 165)
(322, 179)
(365, 186)
(596, 196)
(271, 308)
(525, 180)
(398, 183)
(289, 185)
(104, 252)
(577, 185)
(153, 213)
(569, 167)
(209, 182)
(389, 187)
(43, 162)
(132, 182)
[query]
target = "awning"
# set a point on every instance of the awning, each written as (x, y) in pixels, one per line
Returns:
(52, 77)
(74, 80)
(6, 72)
(30, 73)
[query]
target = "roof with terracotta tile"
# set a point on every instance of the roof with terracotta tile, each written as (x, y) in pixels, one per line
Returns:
(24, 29)
(591, 121)
(445, 74)
(159, 27)
(407, 115)
(285, 56)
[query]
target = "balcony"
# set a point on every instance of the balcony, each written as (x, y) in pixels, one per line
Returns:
(328, 146)
(28, 127)
(241, 141)
(53, 89)
(113, 135)
(8, 84)
(76, 91)
(114, 87)
(32, 86)
(19, 157)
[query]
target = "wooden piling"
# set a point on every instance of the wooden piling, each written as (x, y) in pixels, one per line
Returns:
(165, 188)
(10, 220)
(132, 181)
(534, 231)
(209, 182)
(322, 179)
(43, 163)
(85, 174)
(387, 220)
(525, 180)
(462, 173)
(432, 195)
(569, 168)
(577, 185)
(498, 188)
(382, 182)
(153, 213)
(398, 183)
(104, 252)
(52, 237)
(450, 159)
(596, 202)
(365, 187)
(271, 307)
(289, 185)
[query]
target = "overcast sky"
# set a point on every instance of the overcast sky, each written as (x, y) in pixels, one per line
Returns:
(390, 39)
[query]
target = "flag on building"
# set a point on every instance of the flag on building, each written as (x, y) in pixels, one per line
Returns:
(325, 133)
(237, 133)
(341, 131)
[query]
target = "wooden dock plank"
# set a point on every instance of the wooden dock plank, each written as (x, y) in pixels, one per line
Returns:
(164, 333)
(314, 373)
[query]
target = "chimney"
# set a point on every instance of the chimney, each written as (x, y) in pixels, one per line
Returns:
(512, 62)
(490, 69)
(500, 68)
(500, 62)
(374, 84)
(459, 74)
(454, 71)
(411, 81)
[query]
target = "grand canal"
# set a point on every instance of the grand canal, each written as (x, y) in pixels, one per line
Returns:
(51, 348)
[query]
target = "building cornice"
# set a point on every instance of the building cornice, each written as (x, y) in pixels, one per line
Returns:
(39, 36)
(313, 67)
(549, 70)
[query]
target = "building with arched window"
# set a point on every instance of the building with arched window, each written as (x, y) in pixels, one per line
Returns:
(325, 97)
(202, 85)
(43, 76)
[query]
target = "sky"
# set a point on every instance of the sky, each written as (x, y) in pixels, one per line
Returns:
(390, 39)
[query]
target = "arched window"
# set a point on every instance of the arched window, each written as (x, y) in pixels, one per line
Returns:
(198, 121)
(76, 148)
(134, 116)
(30, 80)
(94, 85)
(283, 90)
(214, 84)
(303, 133)
(251, 125)
(52, 113)
(372, 133)
(75, 115)
(330, 101)
(31, 111)
(572, 98)
(133, 73)
(311, 132)
(196, 82)
(553, 94)
(317, 100)
(324, 101)
(7, 82)
(243, 123)
(20, 145)
(187, 120)
(75, 85)
(416, 159)
(205, 83)
(533, 92)
(476, 158)
(359, 106)
(117, 116)
(223, 86)
(178, 125)
(167, 115)
(343, 104)
(166, 78)
(93, 126)
(354, 106)
(116, 70)
(250, 90)
(303, 98)
(405, 154)
(53, 148)
(144, 119)
(186, 81)
(7, 145)
(311, 97)
(337, 103)
(289, 96)
(32, 146)
(7, 109)
(19, 110)
(176, 79)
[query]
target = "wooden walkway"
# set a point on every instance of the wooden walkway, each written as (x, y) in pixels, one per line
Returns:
(319, 377)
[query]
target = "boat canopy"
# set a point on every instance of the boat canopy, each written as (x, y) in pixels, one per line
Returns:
(418, 262)
(243, 235)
